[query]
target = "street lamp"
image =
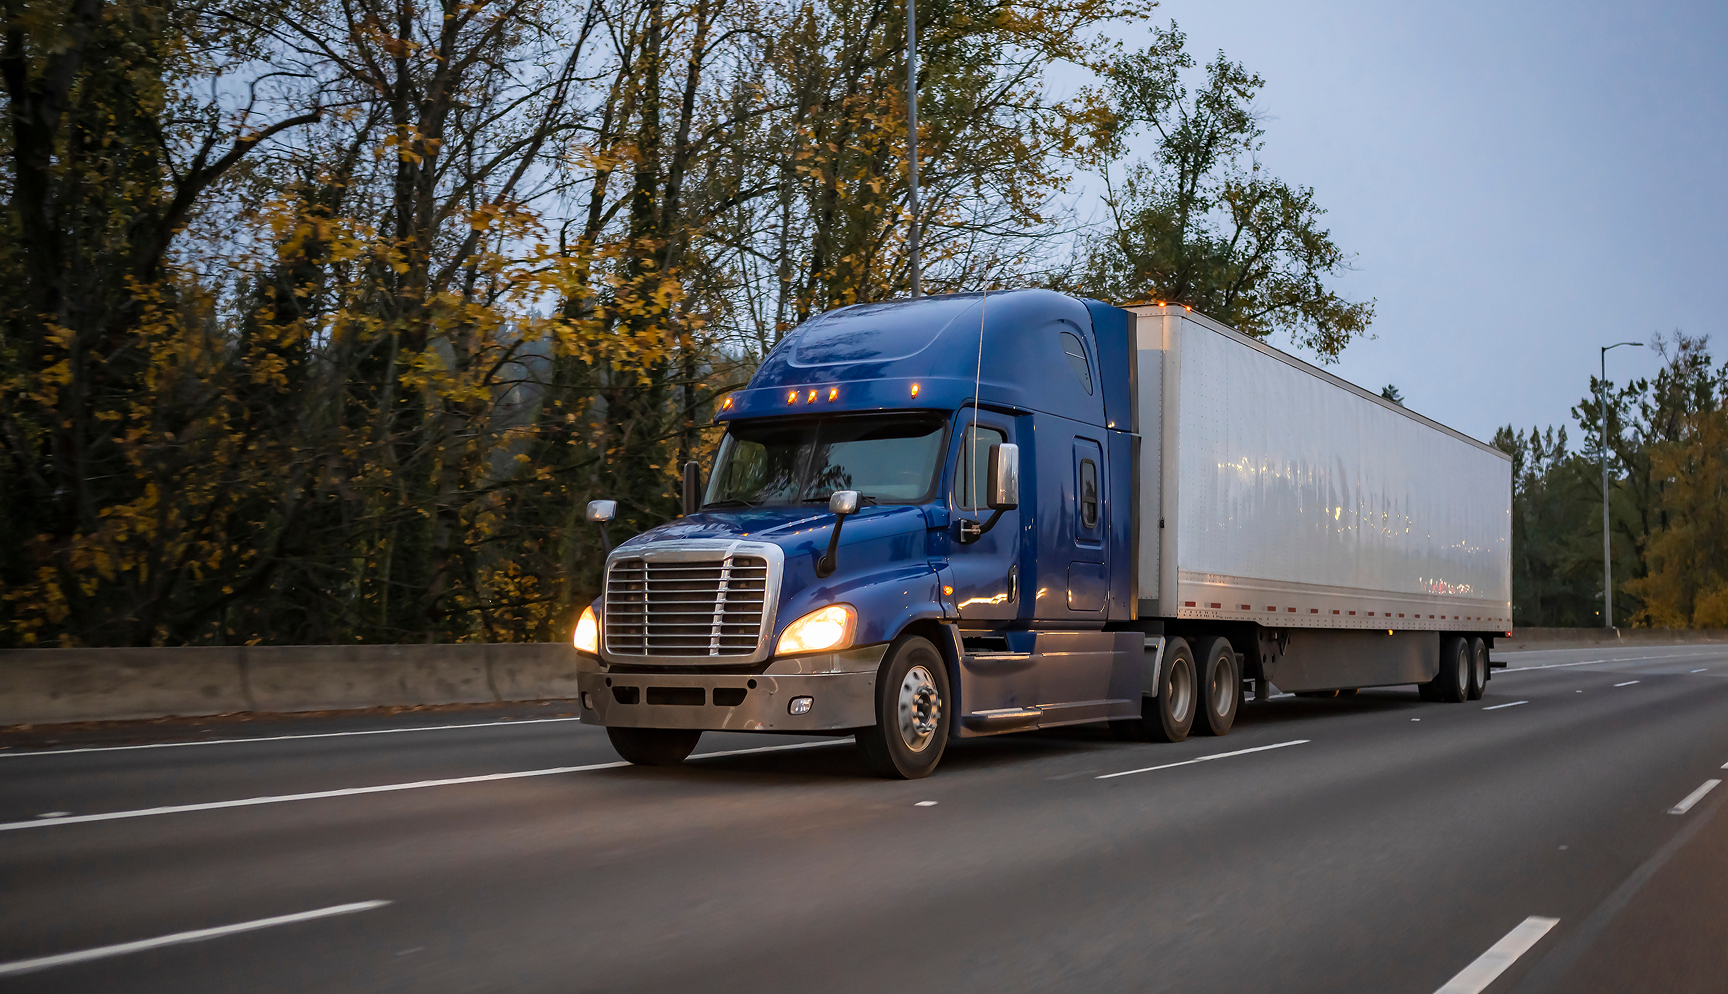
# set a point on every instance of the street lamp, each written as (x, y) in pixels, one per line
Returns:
(1602, 411)
(912, 129)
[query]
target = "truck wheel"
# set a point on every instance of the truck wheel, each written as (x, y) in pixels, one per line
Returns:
(1452, 683)
(1168, 715)
(1478, 668)
(654, 746)
(1220, 687)
(911, 729)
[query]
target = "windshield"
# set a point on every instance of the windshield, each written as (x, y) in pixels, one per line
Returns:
(890, 459)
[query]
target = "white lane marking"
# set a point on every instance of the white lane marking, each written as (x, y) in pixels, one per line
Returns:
(1589, 662)
(1701, 670)
(925, 804)
(196, 935)
(1725, 766)
(275, 738)
(353, 791)
(1202, 759)
(1628, 683)
(53, 814)
(246, 802)
(1496, 707)
(1490, 965)
(1694, 797)
(747, 752)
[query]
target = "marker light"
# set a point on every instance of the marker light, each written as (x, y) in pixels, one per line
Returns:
(833, 392)
(822, 630)
(588, 632)
(727, 405)
(914, 390)
(812, 399)
(792, 397)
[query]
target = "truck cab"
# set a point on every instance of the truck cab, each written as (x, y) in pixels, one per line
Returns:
(917, 526)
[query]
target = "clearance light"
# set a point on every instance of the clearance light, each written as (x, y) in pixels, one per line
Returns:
(812, 399)
(914, 391)
(833, 392)
(822, 630)
(587, 637)
(792, 397)
(728, 405)
(947, 591)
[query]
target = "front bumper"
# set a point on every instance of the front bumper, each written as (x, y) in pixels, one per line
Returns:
(841, 686)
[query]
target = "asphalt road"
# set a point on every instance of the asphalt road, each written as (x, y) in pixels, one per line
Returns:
(1395, 846)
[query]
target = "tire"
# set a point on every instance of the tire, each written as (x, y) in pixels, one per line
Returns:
(1168, 715)
(654, 746)
(913, 706)
(1452, 684)
(1220, 686)
(1478, 668)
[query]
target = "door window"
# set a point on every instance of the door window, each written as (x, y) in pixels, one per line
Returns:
(971, 475)
(1088, 494)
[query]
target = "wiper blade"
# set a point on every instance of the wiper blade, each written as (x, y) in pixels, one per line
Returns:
(729, 502)
(862, 499)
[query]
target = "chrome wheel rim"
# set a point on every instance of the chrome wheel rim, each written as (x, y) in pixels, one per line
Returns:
(1222, 698)
(920, 709)
(1179, 691)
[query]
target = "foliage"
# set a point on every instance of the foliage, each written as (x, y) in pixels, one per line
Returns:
(1202, 223)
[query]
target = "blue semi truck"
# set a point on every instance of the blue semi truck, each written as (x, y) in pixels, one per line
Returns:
(972, 514)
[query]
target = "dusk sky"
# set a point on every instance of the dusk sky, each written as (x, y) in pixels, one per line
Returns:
(1521, 182)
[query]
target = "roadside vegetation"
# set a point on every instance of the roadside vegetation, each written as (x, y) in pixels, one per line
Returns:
(321, 322)
(1667, 460)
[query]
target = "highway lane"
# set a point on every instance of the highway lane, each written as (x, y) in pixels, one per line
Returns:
(1392, 847)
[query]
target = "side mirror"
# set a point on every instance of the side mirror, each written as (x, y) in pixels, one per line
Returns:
(692, 488)
(602, 511)
(844, 502)
(1004, 479)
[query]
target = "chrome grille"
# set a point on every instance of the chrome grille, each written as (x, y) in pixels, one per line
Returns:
(710, 607)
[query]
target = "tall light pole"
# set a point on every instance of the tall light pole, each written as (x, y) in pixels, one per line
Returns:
(912, 128)
(1602, 412)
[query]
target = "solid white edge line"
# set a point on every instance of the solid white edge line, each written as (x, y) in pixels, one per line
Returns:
(1496, 707)
(1202, 759)
(1694, 797)
(1628, 683)
(1490, 965)
(196, 935)
(246, 802)
(275, 738)
(1590, 662)
(377, 789)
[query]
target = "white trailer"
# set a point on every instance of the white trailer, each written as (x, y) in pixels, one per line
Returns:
(1276, 495)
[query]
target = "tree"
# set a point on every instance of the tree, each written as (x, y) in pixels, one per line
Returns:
(1202, 224)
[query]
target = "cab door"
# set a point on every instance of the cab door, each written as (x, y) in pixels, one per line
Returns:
(985, 571)
(1088, 572)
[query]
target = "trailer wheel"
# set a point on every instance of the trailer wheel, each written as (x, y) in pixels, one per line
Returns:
(1220, 686)
(1478, 668)
(912, 704)
(654, 746)
(1452, 683)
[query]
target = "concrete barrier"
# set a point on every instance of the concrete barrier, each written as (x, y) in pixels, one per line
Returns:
(42, 686)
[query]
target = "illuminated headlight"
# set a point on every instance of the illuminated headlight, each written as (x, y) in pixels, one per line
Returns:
(822, 630)
(588, 632)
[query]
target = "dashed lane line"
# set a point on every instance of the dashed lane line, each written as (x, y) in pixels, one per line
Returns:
(1487, 968)
(1694, 797)
(1628, 683)
(180, 938)
(1496, 707)
(1204, 759)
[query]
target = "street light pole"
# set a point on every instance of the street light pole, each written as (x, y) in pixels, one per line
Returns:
(1602, 412)
(912, 129)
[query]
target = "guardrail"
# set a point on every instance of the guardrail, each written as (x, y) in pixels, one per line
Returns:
(42, 686)
(1579, 638)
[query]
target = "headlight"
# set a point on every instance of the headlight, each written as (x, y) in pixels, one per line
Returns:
(588, 632)
(822, 630)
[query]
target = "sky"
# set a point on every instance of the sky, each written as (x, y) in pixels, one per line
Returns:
(1520, 183)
